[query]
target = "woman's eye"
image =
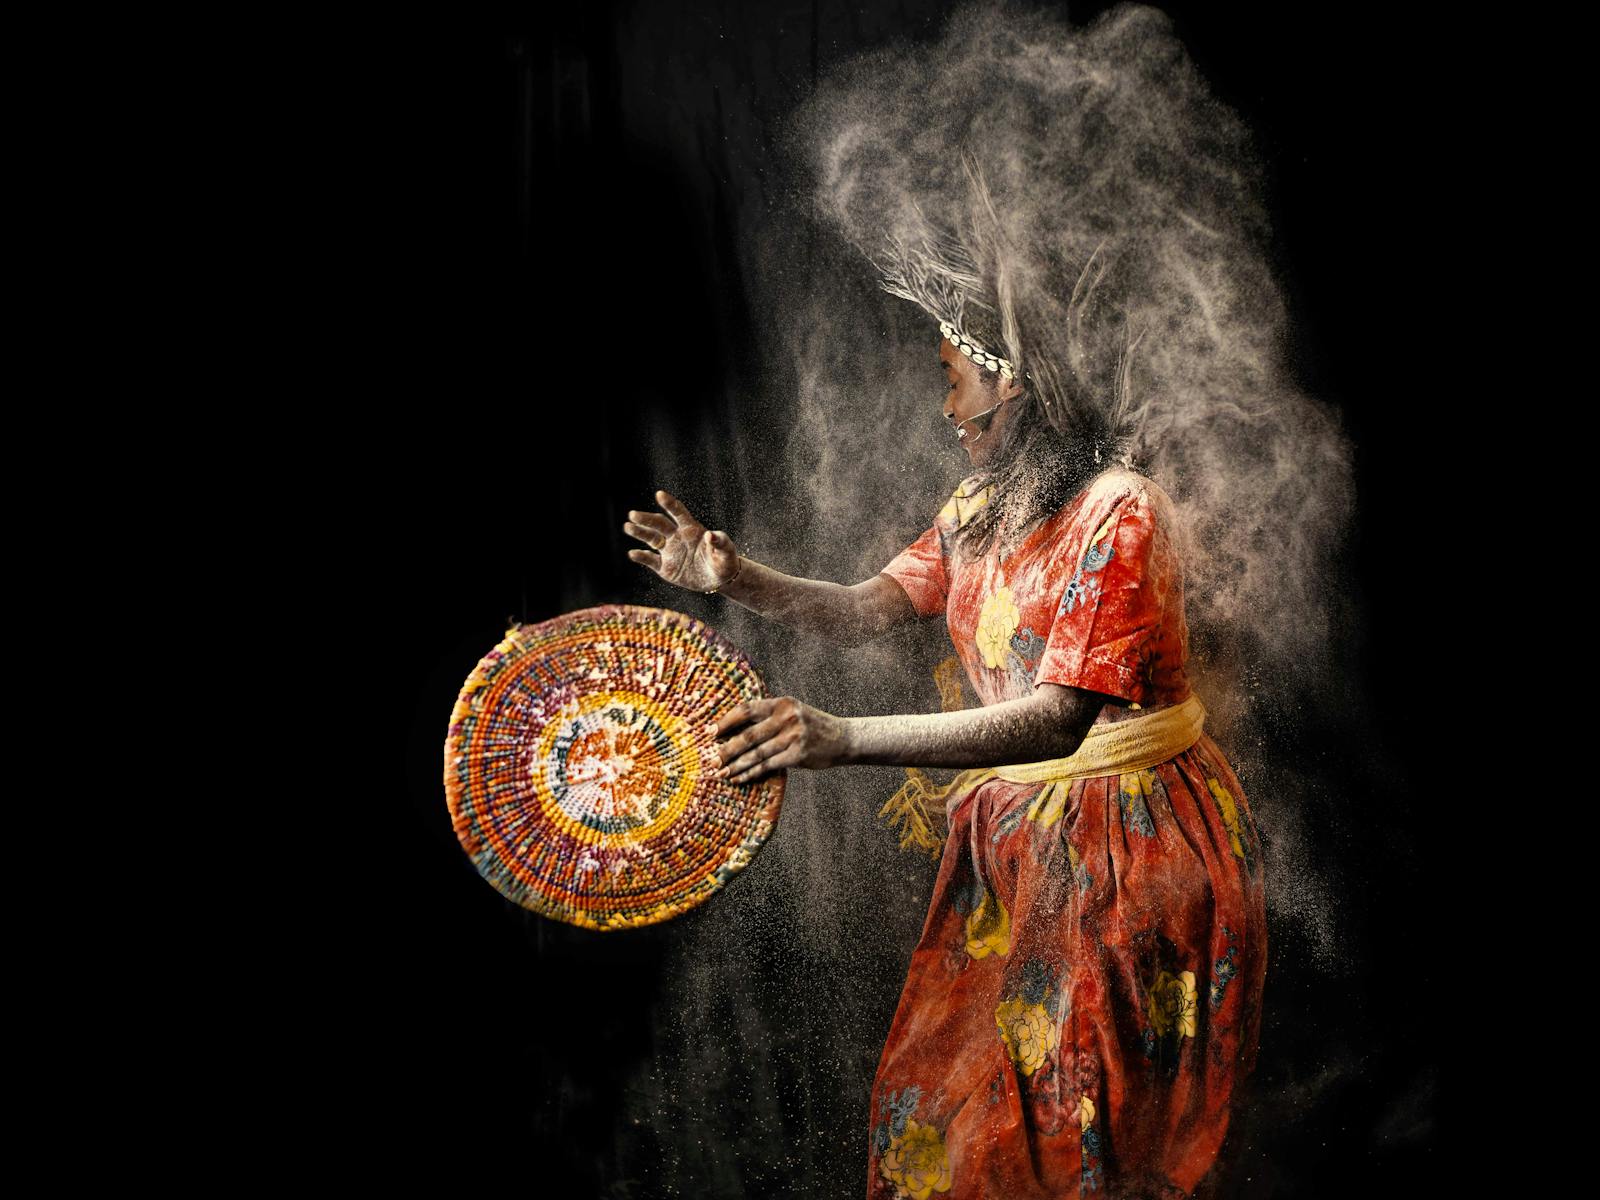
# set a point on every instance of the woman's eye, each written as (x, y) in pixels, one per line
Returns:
(952, 387)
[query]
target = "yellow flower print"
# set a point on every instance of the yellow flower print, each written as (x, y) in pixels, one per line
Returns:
(1085, 1113)
(916, 1163)
(988, 928)
(996, 623)
(1230, 814)
(1173, 1004)
(1049, 804)
(961, 506)
(1028, 1032)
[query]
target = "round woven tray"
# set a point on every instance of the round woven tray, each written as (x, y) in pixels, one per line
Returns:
(577, 767)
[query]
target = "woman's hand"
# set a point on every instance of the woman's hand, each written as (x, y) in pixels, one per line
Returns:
(783, 733)
(682, 551)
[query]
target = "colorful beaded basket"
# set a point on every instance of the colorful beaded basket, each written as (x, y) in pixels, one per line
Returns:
(577, 767)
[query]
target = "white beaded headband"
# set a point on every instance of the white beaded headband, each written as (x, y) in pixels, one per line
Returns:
(974, 351)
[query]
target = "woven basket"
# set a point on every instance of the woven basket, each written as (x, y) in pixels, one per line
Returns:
(577, 767)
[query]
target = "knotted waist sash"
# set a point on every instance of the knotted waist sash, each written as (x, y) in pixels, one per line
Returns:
(1109, 749)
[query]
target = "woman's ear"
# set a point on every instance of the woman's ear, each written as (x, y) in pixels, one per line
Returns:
(1009, 389)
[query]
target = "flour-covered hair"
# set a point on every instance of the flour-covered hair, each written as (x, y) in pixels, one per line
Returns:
(1080, 203)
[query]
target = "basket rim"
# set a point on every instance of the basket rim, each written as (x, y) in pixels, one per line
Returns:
(759, 814)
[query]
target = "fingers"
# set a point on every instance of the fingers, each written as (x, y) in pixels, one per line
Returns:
(660, 523)
(759, 758)
(675, 510)
(776, 739)
(786, 754)
(789, 756)
(740, 751)
(645, 534)
(739, 714)
(648, 558)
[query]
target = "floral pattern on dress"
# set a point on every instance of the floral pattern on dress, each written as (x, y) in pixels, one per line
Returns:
(1030, 1020)
(1093, 562)
(1093, 1175)
(987, 929)
(1223, 970)
(1028, 645)
(1230, 816)
(1006, 824)
(1169, 1002)
(1133, 793)
(996, 623)
(916, 1162)
(964, 503)
(911, 1154)
(1080, 872)
(1028, 1032)
(1173, 1004)
(1046, 808)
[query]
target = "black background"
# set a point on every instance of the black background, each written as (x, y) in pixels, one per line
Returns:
(467, 186)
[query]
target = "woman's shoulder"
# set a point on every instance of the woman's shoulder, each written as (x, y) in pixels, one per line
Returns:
(1119, 482)
(1114, 488)
(1117, 494)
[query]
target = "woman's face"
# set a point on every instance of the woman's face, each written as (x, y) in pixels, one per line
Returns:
(968, 394)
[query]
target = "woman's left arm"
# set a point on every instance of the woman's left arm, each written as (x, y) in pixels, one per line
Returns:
(783, 732)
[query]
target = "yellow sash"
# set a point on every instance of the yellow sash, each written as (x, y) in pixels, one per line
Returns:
(1110, 749)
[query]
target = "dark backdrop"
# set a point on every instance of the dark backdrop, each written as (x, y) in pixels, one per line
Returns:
(541, 205)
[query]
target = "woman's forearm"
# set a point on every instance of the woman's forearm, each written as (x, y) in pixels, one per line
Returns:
(836, 611)
(784, 732)
(1051, 723)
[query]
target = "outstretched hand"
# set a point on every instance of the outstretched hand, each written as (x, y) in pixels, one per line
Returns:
(782, 732)
(682, 551)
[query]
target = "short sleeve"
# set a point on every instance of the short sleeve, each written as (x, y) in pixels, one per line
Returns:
(919, 570)
(1110, 611)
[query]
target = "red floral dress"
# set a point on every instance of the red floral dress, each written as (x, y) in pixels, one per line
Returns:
(1085, 1000)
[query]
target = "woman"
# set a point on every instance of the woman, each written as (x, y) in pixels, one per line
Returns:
(1084, 1002)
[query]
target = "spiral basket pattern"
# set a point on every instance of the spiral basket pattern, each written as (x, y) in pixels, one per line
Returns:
(577, 767)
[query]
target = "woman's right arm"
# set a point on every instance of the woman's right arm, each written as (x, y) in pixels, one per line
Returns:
(847, 614)
(685, 552)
